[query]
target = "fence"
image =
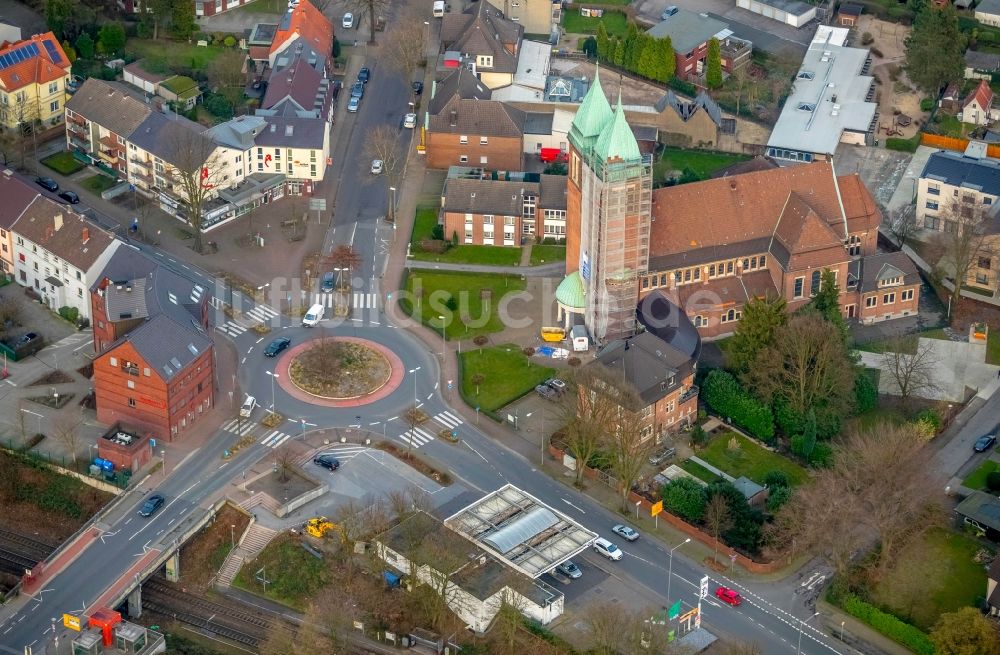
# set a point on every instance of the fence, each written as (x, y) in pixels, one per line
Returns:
(62, 465)
(955, 143)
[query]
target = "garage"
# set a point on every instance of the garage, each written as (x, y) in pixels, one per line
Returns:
(790, 12)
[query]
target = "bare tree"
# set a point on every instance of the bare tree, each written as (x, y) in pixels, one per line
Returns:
(407, 44)
(882, 484)
(966, 227)
(21, 113)
(284, 461)
(717, 519)
(345, 257)
(587, 414)
(630, 438)
(227, 74)
(370, 10)
(64, 429)
(10, 314)
(413, 418)
(280, 640)
(443, 556)
(605, 623)
(743, 648)
(384, 143)
(902, 223)
(913, 373)
(196, 171)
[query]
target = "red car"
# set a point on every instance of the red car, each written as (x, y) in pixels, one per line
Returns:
(729, 596)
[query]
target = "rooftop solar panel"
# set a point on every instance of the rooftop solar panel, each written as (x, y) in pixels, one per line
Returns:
(53, 51)
(23, 53)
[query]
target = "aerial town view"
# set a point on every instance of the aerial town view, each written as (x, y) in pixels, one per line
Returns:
(384, 326)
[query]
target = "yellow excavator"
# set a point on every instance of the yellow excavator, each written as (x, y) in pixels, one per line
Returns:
(319, 526)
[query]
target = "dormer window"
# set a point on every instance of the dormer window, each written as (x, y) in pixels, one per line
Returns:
(806, 75)
(890, 281)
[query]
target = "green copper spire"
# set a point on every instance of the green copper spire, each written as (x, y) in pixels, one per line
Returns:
(616, 140)
(593, 114)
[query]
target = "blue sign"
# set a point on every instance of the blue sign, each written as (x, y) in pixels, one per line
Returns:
(152, 443)
(585, 267)
(450, 385)
(131, 187)
(454, 433)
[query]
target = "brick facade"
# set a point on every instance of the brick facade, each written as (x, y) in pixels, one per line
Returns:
(496, 154)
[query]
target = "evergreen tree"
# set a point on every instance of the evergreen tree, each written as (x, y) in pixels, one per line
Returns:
(603, 43)
(111, 38)
(618, 59)
(647, 59)
(755, 331)
(713, 64)
(667, 59)
(85, 46)
(934, 48)
(632, 45)
(183, 23)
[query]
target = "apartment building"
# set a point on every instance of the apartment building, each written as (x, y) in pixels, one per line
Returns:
(33, 77)
(59, 254)
(488, 43)
(154, 367)
(955, 187)
(499, 213)
(689, 34)
(17, 194)
(536, 16)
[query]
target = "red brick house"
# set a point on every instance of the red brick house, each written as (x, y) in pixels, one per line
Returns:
(154, 367)
(497, 213)
(885, 287)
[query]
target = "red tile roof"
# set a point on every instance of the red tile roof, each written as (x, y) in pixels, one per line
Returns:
(982, 94)
(40, 69)
(308, 23)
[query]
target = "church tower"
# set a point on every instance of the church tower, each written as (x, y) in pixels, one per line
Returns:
(608, 205)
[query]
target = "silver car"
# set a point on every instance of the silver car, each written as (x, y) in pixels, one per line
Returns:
(546, 392)
(625, 532)
(570, 570)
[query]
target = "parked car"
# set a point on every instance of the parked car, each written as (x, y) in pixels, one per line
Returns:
(570, 570)
(152, 504)
(625, 532)
(348, 21)
(25, 339)
(608, 549)
(661, 456)
(984, 443)
(327, 284)
(70, 197)
(247, 408)
(546, 392)
(358, 90)
(47, 183)
(410, 121)
(668, 12)
(353, 103)
(364, 75)
(418, 87)
(556, 385)
(335, 89)
(728, 596)
(377, 166)
(277, 346)
(328, 462)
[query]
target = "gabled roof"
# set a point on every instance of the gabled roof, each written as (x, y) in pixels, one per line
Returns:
(110, 105)
(648, 363)
(687, 109)
(487, 196)
(982, 508)
(17, 194)
(64, 233)
(307, 23)
(167, 137)
(982, 94)
(801, 230)
(873, 268)
(294, 132)
(38, 60)
(697, 218)
(461, 83)
(552, 192)
(238, 132)
(302, 84)
(984, 61)
(482, 30)
(477, 118)
(687, 29)
(171, 304)
(956, 169)
(137, 69)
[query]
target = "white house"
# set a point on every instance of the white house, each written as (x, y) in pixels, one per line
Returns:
(59, 254)
(988, 12)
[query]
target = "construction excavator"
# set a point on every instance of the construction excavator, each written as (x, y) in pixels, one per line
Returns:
(319, 526)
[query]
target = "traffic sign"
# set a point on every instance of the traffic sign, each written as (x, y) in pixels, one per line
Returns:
(317, 204)
(454, 434)
(656, 508)
(703, 590)
(450, 384)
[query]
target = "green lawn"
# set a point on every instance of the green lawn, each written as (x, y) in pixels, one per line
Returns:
(614, 22)
(507, 375)
(423, 225)
(949, 578)
(977, 479)
(97, 183)
(293, 575)
(877, 416)
(475, 297)
(178, 56)
(702, 162)
(992, 347)
(542, 254)
(950, 126)
(472, 254)
(750, 459)
(698, 471)
(63, 163)
(264, 7)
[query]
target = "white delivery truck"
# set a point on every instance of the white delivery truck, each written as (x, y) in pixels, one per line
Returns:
(313, 316)
(581, 342)
(438, 11)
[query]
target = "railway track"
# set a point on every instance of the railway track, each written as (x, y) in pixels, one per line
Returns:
(166, 594)
(208, 624)
(22, 545)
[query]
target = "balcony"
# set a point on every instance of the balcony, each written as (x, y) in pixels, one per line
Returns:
(737, 51)
(110, 157)
(78, 130)
(141, 163)
(692, 392)
(78, 143)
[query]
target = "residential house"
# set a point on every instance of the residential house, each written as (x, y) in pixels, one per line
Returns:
(689, 34)
(180, 90)
(663, 379)
(154, 367)
(832, 101)
(59, 254)
(499, 213)
(536, 16)
(952, 183)
(305, 26)
(201, 7)
(489, 43)
(790, 12)
(137, 75)
(978, 106)
(33, 77)
(464, 127)
(18, 194)
(885, 286)
(298, 90)
(981, 65)
(988, 12)
(99, 119)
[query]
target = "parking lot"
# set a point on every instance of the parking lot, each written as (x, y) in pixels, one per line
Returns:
(534, 415)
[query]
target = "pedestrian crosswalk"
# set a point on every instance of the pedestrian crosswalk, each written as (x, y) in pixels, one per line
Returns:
(448, 420)
(272, 439)
(261, 313)
(232, 328)
(275, 439)
(257, 314)
(238, 427)
(416, 437)
(344, 452)
(358, 300)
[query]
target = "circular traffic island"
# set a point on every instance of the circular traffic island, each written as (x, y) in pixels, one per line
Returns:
(339, 369)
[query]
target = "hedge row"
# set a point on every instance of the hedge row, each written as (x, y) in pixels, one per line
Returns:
(887, 624)
(903, 145)
(728, 399)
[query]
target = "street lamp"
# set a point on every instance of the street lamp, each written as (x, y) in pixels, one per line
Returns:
(392, 206)
(232, 534)
(444, 347)
(411, 372)
(273, 377)
(798, 649)
(670, 568)
(163, 460)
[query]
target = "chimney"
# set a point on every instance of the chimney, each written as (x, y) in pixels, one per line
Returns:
(57, 222)
(454, 118)
(732, 185)
(85, 237)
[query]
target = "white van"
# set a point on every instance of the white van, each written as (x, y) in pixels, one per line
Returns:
(581, 342)
(438, 11)
(313, 316)
(247, 408)
(608, 549)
